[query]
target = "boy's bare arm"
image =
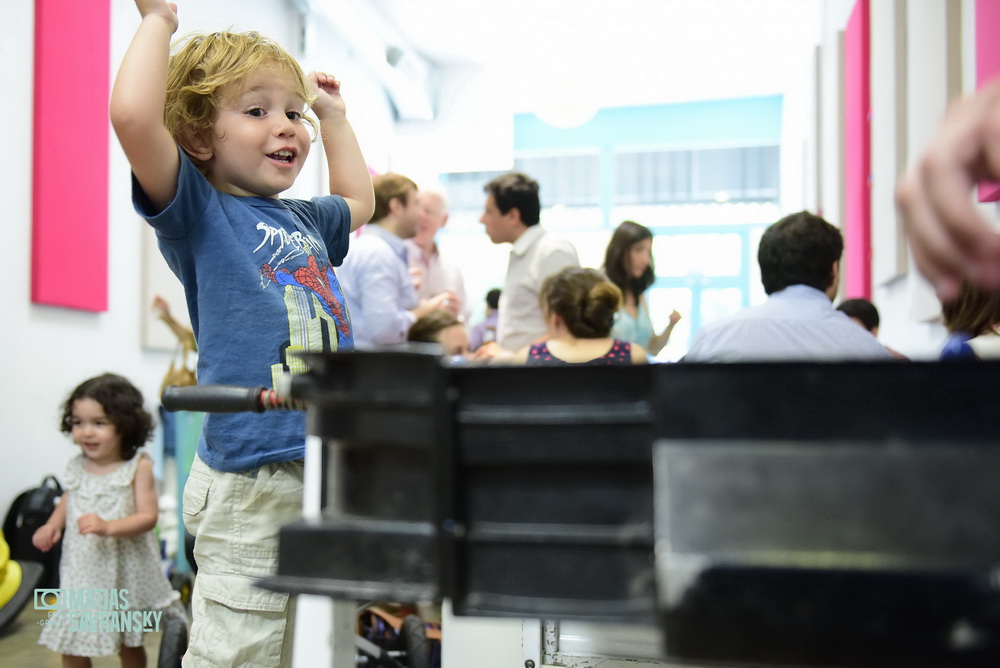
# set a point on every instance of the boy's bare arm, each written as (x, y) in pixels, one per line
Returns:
(137, 101)
(349, 175)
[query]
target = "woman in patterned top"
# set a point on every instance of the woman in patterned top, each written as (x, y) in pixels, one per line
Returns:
(579, 306)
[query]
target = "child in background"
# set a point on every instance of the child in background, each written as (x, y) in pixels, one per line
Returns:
(214, 133)
(486, 331)
(105, 520)
(579, 307)
(444, 328)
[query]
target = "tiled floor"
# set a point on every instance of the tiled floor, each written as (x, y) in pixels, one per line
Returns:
(19, 646)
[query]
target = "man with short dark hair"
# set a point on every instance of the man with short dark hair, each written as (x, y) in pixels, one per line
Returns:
(799, 259)
(862, 312)
(865, 314)
(511, 215)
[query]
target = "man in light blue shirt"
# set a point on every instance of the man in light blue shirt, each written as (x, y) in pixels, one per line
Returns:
(381, 299)
(799, 260)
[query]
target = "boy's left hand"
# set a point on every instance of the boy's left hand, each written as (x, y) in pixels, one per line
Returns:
(91, 523)
(328, 98)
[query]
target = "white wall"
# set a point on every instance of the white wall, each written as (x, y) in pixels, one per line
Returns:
(935, 63)
(921, 56)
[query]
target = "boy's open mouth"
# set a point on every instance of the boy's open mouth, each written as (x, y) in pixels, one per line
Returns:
(282, 156)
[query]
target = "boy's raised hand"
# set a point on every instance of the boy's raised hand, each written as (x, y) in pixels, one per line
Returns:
(328, 99)
(150, 7)
(349, 175)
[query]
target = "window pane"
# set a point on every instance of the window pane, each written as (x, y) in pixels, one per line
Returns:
(739, 174)
(650, 177)
(661, 302)
(760, 173)
(757, 294)
(569, 180)
(719, 302)
(718, 175)
(697, 254)
(465, 189)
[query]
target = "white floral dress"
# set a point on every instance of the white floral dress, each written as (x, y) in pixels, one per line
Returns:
(97, 617)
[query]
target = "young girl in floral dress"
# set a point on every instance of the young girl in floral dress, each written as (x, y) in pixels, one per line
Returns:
(111, 577)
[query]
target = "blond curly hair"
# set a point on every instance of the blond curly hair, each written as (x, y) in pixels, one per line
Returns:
(203, 66)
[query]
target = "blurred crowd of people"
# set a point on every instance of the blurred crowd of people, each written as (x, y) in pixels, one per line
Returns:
(549, 310)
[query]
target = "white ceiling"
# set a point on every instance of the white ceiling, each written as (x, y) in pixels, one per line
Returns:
(620, 52)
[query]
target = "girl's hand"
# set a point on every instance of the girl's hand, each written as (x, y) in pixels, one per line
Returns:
(328, 100)
(46, 537)
(91, 523)
(674, 317)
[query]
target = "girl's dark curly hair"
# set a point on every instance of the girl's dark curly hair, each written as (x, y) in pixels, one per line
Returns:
(122, 404)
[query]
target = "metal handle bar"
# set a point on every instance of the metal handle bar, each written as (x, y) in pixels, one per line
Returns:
(226, 399)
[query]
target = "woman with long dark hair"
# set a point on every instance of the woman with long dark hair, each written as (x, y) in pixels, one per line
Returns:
(628, 262)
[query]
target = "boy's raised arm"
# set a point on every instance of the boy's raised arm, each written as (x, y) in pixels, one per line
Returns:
(137, 101)
(349, 175)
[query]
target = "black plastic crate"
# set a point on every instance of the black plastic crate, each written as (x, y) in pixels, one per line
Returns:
(830, 515)
(552, 494)
(772, 514)
(385, 425)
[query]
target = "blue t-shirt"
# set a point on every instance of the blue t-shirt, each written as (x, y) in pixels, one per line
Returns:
(260, 287)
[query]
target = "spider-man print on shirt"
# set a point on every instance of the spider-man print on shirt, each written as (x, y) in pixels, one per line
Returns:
(317, 279)
(313, 297)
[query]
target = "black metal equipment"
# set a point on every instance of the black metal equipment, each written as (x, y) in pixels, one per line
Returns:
(770, 514)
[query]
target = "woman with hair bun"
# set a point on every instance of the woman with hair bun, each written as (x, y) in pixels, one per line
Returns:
(579, 307)
(628, 263)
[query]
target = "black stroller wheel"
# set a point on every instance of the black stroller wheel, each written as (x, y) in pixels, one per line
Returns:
(174, 640)
(418, 648)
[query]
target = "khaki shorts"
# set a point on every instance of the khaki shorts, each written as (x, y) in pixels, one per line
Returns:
(235, 518)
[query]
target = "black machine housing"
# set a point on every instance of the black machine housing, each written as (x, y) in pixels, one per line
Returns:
(798, 514)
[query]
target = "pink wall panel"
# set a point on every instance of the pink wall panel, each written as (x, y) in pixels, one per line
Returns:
(987, 66)
(857, 156)
(69, 255)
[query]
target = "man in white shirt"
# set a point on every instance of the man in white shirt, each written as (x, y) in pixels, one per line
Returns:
(432, 273)
(799, 260)
(511, 216)
(375, 277)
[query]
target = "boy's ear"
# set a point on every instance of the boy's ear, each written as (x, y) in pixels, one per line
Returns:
(198, 145)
